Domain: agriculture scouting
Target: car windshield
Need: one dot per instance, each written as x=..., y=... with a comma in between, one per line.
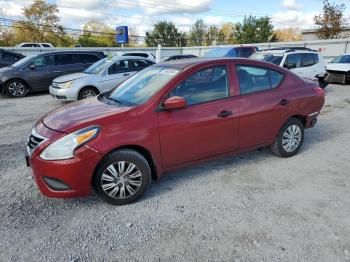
x=218, y=52
x=97, y=67
x=23, y=61
x=142, y=86
x=268, y=57
x=342, y=59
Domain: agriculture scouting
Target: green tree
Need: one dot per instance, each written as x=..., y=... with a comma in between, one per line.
x=166, y=34
x=254, y=30
x=331, y=21
x=198, y=32
x=212, y=35
x=97, y=34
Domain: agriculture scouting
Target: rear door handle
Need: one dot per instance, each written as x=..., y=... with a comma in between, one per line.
x=284, y=102
x=126, y=74
x=225, y=113
x=56, y=71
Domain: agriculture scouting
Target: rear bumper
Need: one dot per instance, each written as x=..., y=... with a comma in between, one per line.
x=311, y=119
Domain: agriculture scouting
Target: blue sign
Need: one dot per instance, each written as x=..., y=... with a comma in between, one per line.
x=122, y=34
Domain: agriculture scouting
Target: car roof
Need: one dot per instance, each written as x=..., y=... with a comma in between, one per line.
x=281, y=51
x=190, y=62
x=70, y=52
x=117, y=58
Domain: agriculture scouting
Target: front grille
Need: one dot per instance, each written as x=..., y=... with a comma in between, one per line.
x=336, y=77
x=34, y=140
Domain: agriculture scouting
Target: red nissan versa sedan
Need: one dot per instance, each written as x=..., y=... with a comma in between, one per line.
x=167, y=116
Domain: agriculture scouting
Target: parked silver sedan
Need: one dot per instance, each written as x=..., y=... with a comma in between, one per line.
x=100, y=77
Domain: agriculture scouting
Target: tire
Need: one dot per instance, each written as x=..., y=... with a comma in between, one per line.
x=114, y=184
x=87, y=92
x=16, y=88
x=288, y=142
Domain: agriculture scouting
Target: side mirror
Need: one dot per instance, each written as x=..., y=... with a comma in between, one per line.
x=174, y=102
x=31, y=66
x=290, y=65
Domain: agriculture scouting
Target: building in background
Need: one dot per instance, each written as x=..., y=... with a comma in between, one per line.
x=310, y=34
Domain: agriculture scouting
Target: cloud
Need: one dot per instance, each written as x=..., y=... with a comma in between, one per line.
x=213, y=20
x=293, y=18
x=175, y=6
x=291, y=5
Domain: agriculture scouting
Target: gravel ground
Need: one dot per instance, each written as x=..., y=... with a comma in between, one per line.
x=252, y=207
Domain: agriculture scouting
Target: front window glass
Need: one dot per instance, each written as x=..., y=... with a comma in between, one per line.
x=204, y=86
x=293, y=61
x=23, y=61
x=118, y=67
x=142, y=86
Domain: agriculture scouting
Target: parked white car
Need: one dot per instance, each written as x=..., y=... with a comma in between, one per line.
x=304, y=62
x=147, y=55
x=338, y=70
x=40, y=45
x=99, y=78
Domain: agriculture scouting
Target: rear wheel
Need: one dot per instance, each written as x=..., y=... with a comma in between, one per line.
x=122, y=177
x=87, y=92
x=16, y=88
x=289, y=139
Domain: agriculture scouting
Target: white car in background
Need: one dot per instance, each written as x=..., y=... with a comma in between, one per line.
x=99, y=78
x=40, y=45
x=147, y=55
x=338, y=70
x=304, y=62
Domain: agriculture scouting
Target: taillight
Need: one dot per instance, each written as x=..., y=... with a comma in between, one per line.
x=318, y=90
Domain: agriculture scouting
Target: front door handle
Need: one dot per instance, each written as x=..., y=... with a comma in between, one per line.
x=225, y=113
x=56, y=71
x=284, y=102
x=126, y=74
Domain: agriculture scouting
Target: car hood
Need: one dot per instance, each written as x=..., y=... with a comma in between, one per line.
x=70, y=77
x=80, y=114
x=6, y=69
x=338, y=67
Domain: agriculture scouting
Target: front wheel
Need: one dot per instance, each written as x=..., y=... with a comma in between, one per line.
x=289, y=139
x=16, y=88
x=122, y=177
x=87, y=92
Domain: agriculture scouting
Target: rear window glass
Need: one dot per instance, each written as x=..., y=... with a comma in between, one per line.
x=254, y=79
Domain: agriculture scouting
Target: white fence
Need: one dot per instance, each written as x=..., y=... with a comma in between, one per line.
x=328, y=48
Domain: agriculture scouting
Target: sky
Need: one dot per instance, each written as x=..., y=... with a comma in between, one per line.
x=141, y=15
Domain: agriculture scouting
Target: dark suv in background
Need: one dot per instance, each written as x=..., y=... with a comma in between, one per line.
x=36, y=72
x=8, y=58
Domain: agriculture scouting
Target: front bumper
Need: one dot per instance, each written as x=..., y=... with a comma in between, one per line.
x=67, y=94
x=64, y=178
x=339, y=77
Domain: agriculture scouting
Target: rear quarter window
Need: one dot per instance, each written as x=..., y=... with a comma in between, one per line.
x=275, y=78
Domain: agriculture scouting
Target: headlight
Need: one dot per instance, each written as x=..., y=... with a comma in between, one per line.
x=66, y=84
x=65, y=147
